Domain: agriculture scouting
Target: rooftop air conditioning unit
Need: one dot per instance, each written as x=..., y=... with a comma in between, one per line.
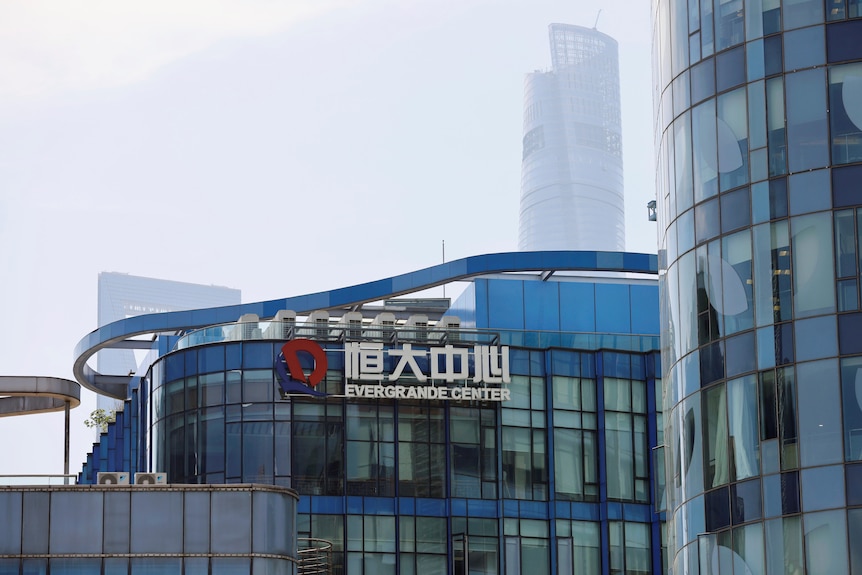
x=419, y=327
x=112, y=478
x=386, y=321
x=151, y=478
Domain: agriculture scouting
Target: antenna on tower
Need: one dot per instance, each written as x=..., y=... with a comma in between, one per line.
x=597, y=19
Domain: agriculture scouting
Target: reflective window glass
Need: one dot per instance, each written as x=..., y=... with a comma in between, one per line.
x=798, y=13
x=816, y=338
x=754, y=60
x=851, y=384
x=845, y=113
x=756, y=115
x=784, y=545
x=705, y=151
x=743, y=427
x=813, y=264
x=772, y=55
x=819, y=430
x=807, y=135
x=776, y=126
x=810, y=192
x=804, y=48
x=736, y=281
x=825, y=542
x=815, y=496
x=702, y=80
x=732, y=134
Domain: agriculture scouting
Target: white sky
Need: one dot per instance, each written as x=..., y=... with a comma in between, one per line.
x=275, y=147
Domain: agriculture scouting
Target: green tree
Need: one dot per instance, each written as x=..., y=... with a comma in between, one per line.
x=99, y=418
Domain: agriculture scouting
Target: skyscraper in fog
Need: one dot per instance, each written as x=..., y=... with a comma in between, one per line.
x=123, y=295
x=572, y=163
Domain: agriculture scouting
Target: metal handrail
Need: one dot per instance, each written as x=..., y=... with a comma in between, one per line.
x=316, y=559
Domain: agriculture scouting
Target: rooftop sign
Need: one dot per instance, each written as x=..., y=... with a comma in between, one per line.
x=373, y=371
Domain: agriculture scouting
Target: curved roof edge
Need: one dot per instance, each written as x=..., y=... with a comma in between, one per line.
x=116, y=333
x=23, y=395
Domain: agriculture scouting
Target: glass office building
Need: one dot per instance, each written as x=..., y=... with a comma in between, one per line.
x=545, y=466
x=759, y=144
x=572, y=161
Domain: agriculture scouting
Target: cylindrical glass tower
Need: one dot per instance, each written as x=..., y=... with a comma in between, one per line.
x=759, y=185
x=572, y=166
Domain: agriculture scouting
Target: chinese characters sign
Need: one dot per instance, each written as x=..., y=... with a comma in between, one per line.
x=374, y=371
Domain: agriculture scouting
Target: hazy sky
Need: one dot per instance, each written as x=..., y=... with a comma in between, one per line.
x=275, y=147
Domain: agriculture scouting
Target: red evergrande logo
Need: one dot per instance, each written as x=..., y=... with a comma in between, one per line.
x=289, y=356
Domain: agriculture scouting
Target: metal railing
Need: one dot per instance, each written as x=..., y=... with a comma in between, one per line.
x=271, y=330
x=31, y=479
x=315, y=558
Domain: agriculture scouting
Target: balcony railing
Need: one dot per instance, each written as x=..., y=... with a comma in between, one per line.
x=314, y=556
x=282, y=331
x=38, y=480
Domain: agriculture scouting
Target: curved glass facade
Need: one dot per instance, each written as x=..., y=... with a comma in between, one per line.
x=759, y=143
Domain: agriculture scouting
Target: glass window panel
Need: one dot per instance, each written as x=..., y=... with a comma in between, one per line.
x=761, y=210
x=748, y=546
x=707, y=42
x=775, y=126
x=619, y=455
x=738, y=354
x=807, y=134
x=197, y=513
x=772, y=273
x=845, y=244
x=689, y=471
x=754, y=58
x=845, y=97
x=772, y=55
x=717, y=504
x=825, y=543
x=753, y=19
x=117, y=528
x=784, y=546
x=11, y=516
x=804, y=48
x=229, y=565
x=847, y=295
x=756, y=115
x=707, y=220
x=730, y=69
x=742, y=411
x=815, y=496
x=736, y=281
x=819, y=429
x=35, y=524
x=157, y=522
x=816, y=338
x=76, y=566
x=682, y=163
x=810, y=192
x=716, y=462
x=87, y=507
x=851, y=383
x=854, y=525
x=231, y=522
x=799, y=13
x=758, y=165
x=705, y=159
x=813, y=271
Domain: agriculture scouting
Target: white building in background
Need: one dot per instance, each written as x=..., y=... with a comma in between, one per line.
x=572, y=163
x=123, y=296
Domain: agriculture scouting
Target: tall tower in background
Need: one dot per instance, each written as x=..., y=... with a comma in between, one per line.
x=122, y=296
x=572, y=162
